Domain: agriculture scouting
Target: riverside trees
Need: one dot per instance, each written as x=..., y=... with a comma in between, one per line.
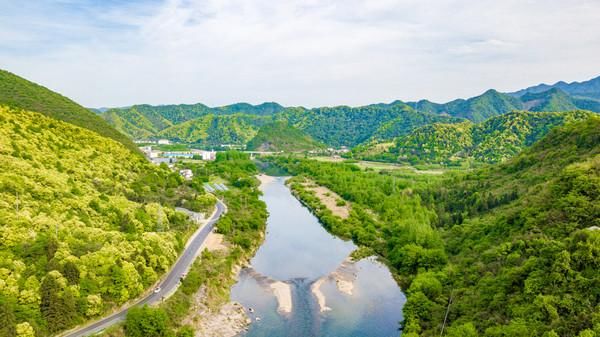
x=506, y=250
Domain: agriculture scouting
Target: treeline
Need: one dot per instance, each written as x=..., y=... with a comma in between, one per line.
x=506, y=250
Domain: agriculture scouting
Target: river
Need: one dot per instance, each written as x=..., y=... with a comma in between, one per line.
x=304, y=262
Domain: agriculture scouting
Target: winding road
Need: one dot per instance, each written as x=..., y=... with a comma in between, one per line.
x=169, y=283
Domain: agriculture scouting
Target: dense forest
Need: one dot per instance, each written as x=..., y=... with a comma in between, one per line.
x=242, y=226
x=339, y=125
x=279, y=136
x=491, y=141
x=19, y=93
x=85, y=223
x=505, y=250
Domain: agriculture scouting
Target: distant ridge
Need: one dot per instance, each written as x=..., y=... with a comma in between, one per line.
x=586, y=89
x=342, y=125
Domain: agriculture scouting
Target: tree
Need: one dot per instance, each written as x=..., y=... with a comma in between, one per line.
x=7, y=319
x=58, y=306
x=147, y=322
x=71, y=272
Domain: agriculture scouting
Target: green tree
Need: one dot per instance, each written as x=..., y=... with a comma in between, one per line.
x=147, y=322
x=71, y=272
x=58, y=306
x=7, y=318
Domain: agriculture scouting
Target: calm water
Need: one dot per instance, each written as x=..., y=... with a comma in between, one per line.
x=298, y=251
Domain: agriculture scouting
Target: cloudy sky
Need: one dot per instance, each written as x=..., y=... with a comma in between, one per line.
x=305, y=52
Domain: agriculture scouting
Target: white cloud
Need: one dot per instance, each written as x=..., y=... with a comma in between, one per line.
x=299, y=52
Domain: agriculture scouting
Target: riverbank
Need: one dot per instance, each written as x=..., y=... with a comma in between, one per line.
x=264, y=180
x=229, y=321
x=303, y=282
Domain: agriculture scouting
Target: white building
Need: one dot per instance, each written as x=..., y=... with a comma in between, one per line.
x=163, y=142
x=206, y=155
x=187, y=174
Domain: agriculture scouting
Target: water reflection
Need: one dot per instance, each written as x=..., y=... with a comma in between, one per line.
x=298, y=251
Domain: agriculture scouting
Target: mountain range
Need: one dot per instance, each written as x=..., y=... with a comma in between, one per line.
x=340, y=125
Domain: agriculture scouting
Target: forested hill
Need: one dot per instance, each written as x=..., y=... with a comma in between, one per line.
x=279, y=136
x=494, y=140
x=20, y=93
x=238, y=123
x=340, y=125
x=523, y=244
x=493, y=103
x=84, y=224
x=511, y=249
x=147, y=121
x=587, y=89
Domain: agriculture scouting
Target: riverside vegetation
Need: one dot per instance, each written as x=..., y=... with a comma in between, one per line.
x=506, y=250
x=85, y=224
x=242, y=226
x=510, y=249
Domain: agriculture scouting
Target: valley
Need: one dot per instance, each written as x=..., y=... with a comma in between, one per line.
x=454, y=219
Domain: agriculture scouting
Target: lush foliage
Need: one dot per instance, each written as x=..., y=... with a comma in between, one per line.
x=239, y=123
x=507, y=250
x=215, y=130
x=242, y=226
x=343, y=125
x=493, y=140
x=146, y=121
x=493, y=103
x=477, y=109
x=84, y=224
x=279, y=136
x=20, y=93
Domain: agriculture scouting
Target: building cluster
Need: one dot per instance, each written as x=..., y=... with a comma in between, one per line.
x=170, y=157
x=158, y=141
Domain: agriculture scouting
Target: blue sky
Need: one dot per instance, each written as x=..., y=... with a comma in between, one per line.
x=310, y=53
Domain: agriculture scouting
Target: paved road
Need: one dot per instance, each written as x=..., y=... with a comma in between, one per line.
x=168, y=285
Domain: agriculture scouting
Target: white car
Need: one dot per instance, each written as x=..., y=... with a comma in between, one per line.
x=157, y=290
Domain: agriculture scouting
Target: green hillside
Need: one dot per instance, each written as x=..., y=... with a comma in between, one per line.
x=84, y=224
x=263, y=109
x=477, y=109
x=279, y=136
x=494, y=140
x=522, y=252
x=20, y=93
x=348, y=126
x=188, y=122
x=551, y=100
x=339, y=125
x=215, y=130
x=507, y=250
